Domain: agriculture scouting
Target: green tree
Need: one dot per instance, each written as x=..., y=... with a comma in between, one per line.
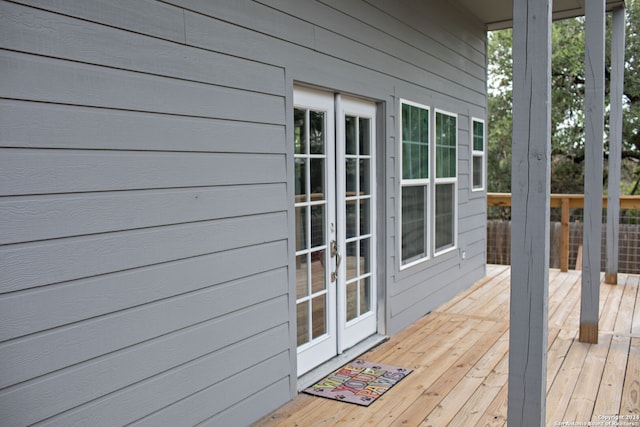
x=567, y=137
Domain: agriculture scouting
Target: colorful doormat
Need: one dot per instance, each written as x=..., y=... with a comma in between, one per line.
x=359, y=382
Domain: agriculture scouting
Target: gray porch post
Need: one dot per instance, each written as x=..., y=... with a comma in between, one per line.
x=530, y=182
x=594, y=134
x=615, y=144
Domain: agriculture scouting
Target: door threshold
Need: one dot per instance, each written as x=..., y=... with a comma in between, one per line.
x=331, y=365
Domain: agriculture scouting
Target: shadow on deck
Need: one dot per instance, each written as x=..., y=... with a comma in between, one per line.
x=460, y=356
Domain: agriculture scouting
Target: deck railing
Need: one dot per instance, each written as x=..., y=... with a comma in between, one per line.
x=565, y=231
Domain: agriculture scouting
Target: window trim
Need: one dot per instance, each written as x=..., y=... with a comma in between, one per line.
x=425, y=183
x=446, y=180
x=476, y=153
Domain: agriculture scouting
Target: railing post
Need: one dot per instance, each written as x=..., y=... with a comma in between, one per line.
x=564, y=245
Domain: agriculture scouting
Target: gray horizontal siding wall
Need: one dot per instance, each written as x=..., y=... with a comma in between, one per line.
x=145, y=197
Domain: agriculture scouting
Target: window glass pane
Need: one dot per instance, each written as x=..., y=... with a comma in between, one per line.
x=302, y=279
x=406, y=122
x=352, y=255
x=352, y=219
x=365, y=295
x=365, y=256
x=350, y=124
x=316, y=132
x=477, y=171
x=365, y=216
x=352, y=300
x=424, y=125
x=317, y=179
x=415, y=142
x=365, y=176
x=413, y=223
x=319, y=316
x=446, y=157
x=317, y=226
x=478, y=136
x=302, y=317
x=318, y=274
x=300, y=135
x=301, y=228
x=365, y=137
x=352, y=176
x=301, y=177
x=416, y=131
x=445, y=213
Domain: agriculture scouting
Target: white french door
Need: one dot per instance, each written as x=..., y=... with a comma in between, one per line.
x=334, y=154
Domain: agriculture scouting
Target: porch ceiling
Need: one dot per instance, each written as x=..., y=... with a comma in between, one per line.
x=497, y=14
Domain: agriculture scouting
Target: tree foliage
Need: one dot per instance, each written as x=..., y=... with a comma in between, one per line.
x=567, y=114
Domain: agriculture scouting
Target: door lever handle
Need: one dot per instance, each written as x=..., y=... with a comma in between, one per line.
x=335, y=252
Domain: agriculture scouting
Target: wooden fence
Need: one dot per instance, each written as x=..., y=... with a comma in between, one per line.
x=566, y=234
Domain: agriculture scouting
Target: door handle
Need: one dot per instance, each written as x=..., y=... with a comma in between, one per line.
x=335, y=252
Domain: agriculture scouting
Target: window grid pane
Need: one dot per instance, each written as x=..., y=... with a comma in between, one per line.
x=414, y=223
x=478, y=135
x=478, y=171
x=445, y=213
x=415, y=142
x=446, y=156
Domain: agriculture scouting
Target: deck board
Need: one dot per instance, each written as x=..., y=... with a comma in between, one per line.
x=459, y=354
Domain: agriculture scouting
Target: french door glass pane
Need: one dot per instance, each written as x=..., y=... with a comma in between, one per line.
x=352, y=176
x=365, y=295
x=300, y=135
x=317, y=179
x=352, y=219
x=365, y=136
x=317, y=226
x=301, y=228
x=445, y=210
x=302, y=276
x=350, y=134
x=352, y=300
x=352, y=260
x=365, y=176
x=302, y=310
x=413, y=223
x=316, y=132
x=364, y=261
x=365, y=216
x=301, y=177
x=319, y=316
x=318, y=272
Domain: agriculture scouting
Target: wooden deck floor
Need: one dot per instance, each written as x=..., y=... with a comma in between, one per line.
x=460, y=356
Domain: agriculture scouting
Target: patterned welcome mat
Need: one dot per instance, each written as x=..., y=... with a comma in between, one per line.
x=359, y=382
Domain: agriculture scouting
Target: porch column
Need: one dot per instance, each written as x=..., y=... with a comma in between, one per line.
x=530, y=187
x=615, y=144
x=594, y=134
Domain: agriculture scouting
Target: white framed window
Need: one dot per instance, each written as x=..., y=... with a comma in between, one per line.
x=414, y=183
x=478, y=155
x=429, y=182
x=446, y=181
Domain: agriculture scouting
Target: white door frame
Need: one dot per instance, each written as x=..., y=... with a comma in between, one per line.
x=341, y=333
